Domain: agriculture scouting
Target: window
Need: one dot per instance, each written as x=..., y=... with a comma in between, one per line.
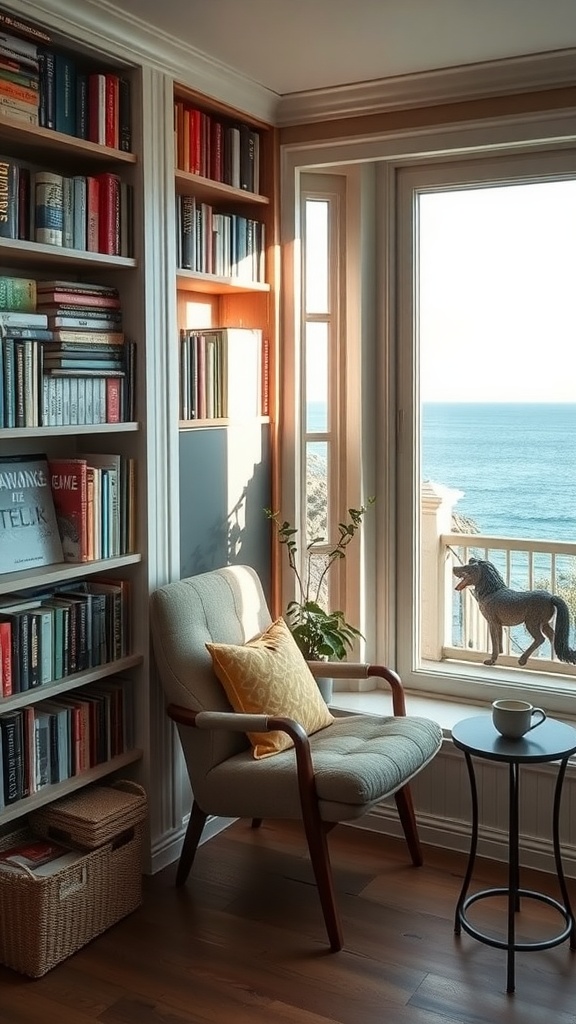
x=486, y=388
x=392, y=185
x=321, y=444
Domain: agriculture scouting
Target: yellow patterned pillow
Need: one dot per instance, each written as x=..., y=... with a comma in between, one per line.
x=269, y=676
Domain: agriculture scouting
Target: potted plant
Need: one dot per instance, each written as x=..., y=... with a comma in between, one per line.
x=320, y=634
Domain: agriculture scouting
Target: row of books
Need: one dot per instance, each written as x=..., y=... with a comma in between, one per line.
x=225, y=244
x=64, y=358
x=55, y=632
x=92, y=213
x=215, y=148
x=69, y=510
x=43, y=86
x=221, y=374
x=57, y=739
x=47, y=385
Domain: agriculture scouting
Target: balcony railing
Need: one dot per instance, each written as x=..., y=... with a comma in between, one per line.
x=453, y=626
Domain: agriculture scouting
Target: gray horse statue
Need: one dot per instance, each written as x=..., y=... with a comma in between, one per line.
x=501, y=606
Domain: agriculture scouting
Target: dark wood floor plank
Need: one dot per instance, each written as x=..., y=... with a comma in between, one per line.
x=244, y=943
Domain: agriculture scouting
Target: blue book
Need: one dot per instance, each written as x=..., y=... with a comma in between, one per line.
x=65, y=94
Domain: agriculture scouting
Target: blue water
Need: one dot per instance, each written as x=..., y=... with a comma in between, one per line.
x=515, y=463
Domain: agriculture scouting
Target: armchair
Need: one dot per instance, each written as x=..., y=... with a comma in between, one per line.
x=334, y=775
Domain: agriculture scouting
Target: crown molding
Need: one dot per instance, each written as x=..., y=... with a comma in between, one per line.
x=102, y=26
x=530, y=73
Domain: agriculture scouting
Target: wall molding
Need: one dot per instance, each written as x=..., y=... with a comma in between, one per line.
x=531, y=73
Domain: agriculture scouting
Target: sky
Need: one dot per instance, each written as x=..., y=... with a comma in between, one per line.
x=498, y=294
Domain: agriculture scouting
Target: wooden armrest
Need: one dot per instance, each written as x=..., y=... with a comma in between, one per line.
x=259, y=723
x=362, y=670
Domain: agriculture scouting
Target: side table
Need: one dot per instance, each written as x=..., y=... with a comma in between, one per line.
x=551, y=741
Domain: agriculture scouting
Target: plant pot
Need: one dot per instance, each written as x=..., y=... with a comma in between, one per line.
x=326, y=687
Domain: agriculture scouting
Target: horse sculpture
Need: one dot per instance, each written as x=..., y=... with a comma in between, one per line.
x=501, y=606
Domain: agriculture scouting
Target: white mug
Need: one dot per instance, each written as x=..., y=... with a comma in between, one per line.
x=513, y=718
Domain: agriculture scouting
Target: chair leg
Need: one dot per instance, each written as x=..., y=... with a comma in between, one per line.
x=191, y=840
x=403, y=798
x=316, y=834
x=256, y=822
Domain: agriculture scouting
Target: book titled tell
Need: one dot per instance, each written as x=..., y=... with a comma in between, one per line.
x=29, y=534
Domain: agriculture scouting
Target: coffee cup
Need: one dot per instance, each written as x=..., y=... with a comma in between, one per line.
x=513, y=718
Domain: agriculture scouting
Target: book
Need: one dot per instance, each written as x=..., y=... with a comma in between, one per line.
x=29, y=533
x=17, y=294
x=5, y=658
x=12, y=756
x=65, y=93
x=12, y=24
x=68, y=482
x=48, y=207
x=40, y=857
x=11, y=318
x=46, y=70
x=9, y=176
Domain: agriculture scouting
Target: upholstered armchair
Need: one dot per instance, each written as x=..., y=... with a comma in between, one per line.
x=258, y=740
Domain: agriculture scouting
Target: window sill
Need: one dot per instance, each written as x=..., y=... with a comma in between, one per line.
x=442, y=710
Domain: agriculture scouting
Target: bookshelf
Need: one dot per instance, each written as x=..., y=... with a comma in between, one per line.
x=121, y=663
x=234, y=286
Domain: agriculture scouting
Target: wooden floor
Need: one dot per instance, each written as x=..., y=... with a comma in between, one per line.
x=244, y=943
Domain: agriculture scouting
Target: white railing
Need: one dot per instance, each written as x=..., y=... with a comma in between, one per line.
x=524, y=565
x=453, y=626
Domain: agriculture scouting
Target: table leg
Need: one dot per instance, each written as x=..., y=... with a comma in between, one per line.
x=558, y=855
x=513, y=870
x=473, y=843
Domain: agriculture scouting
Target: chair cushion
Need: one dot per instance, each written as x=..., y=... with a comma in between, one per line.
x=359, y=761
x=269, y=676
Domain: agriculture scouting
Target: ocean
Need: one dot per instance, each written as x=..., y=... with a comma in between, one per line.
x=515, y=464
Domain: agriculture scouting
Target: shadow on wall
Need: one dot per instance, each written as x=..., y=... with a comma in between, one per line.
x=224, y=488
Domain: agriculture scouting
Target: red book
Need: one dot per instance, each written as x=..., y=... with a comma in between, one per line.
x=113, y=399
x=216, y=152
x=50, y=301
x=111, y=121
x=195, y=141
x=69, y=490
x=92, y=214
x=6, y=659
x=109, y=214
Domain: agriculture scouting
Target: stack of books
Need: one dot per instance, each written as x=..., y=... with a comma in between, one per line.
x=19, y=73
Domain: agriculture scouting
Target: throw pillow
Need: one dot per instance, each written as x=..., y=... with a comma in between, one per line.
x=269, y=676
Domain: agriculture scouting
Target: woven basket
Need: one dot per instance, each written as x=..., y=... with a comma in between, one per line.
x=91, y=818
x=43, y=920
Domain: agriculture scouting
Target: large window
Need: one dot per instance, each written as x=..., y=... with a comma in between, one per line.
x=458, y=264
x=487, y=254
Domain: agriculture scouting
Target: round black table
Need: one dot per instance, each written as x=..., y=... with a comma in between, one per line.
x=551, y=741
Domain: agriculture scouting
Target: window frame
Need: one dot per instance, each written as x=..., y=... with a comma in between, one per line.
x=372, y=167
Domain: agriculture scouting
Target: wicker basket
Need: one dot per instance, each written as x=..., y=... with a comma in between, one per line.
x=43, y=920
x=91, y=818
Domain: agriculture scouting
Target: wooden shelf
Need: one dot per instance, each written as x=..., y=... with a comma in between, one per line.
x=37, y=143
x=221, y=421
x=209, y=190
x=45, y=575
x=67, y=430
x=192, y=281
x=49, y=793
x=24, y=253
x=72, y=682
